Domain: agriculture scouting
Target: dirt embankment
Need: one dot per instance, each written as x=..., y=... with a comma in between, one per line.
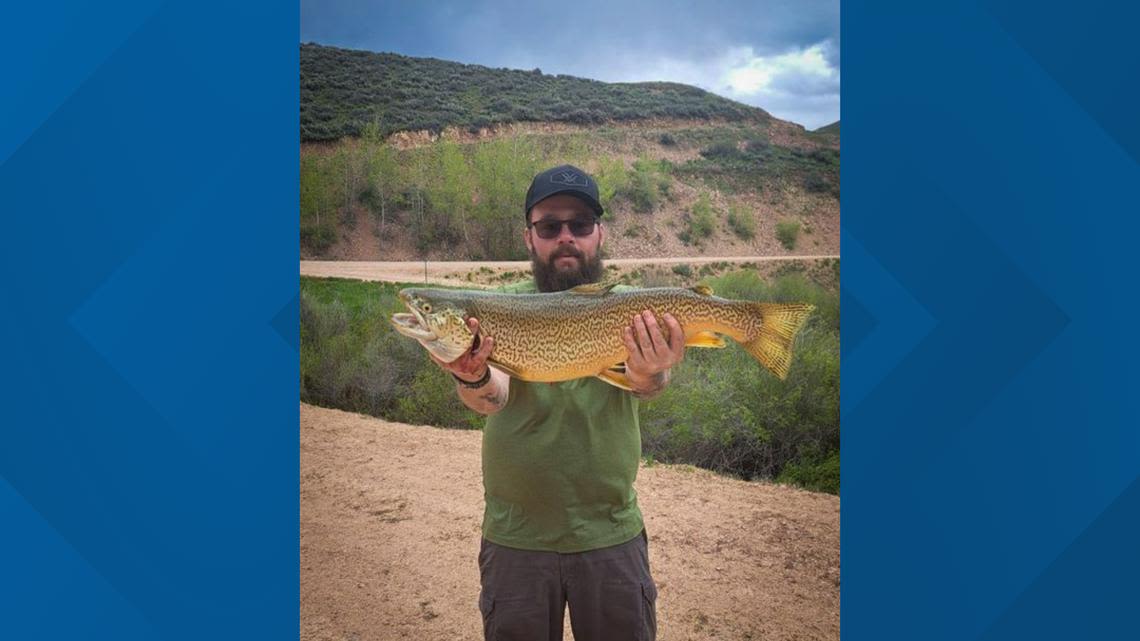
x=389, y=534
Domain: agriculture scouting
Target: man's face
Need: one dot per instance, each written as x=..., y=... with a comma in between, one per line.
x=564, y=260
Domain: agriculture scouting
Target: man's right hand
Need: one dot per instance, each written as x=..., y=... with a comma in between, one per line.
x=472, y=365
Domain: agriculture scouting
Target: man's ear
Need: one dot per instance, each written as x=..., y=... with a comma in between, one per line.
x=528, y=240
x=601, y=234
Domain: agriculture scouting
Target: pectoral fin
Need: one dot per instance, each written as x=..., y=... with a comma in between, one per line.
x=593, y=289
x=703, y=290
x=616, y=376
x=705, y=339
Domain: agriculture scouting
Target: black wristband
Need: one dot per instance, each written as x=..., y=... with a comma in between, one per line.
x=475, y=384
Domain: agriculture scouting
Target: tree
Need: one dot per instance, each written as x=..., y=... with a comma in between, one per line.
x=380, y=173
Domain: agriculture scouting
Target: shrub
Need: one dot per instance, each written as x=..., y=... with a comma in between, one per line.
x=318, y=239
x=351, y=359
x=786, y=233
x=741, y=222
x=667, y=140
x=822, y=476
x=815, y=184
x=721, y=150
x=683, y=270
x=702, y=220
x=646, y=183
x=722, y=411
x=642, y=191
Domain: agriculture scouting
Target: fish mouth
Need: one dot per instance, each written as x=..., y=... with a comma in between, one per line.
x=413, y=324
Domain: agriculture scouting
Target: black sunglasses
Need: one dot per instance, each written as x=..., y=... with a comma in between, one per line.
x=548, y=229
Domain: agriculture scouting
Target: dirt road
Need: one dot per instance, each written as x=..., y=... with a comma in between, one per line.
x=389, y=534
x=455, y=273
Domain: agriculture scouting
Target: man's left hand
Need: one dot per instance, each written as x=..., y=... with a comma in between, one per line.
x=651, y=356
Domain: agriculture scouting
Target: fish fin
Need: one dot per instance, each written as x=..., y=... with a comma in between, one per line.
x=703, y=290
x=705, y=339
x=593, y=289
x=780, y=322
x=616, y=378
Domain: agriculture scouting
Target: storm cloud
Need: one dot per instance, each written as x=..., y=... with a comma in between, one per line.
x=781, y=56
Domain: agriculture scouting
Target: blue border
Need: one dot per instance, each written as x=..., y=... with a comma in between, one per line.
x=148, y=455
x=991, y=454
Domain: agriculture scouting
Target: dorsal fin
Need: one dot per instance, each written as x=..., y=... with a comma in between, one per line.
x=703, y=290
x=593, y=289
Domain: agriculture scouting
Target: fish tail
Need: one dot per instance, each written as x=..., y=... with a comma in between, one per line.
x=780, y=322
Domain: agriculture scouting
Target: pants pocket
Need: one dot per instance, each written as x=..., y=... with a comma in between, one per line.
x=649, y=611
x=627, y=612
x=487, y=609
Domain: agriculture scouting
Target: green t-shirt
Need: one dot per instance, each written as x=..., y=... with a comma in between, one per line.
x=559, y=462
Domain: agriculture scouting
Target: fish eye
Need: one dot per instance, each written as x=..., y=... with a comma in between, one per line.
x=427, y=308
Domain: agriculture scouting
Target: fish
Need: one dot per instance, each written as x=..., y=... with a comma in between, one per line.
x=576, y=333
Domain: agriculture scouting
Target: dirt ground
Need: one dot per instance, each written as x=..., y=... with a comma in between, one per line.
x=390, y=524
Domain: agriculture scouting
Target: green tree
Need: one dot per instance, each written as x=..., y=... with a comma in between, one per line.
x=452, y=190
x=503, y=169
x=381, y=173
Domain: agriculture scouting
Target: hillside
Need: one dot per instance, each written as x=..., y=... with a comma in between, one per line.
x=441, y=173
x=343, y=90
x=832, y=129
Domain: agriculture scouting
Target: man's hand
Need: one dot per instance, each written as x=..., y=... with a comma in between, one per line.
x=485, y=399
x=651, y=356
x=473, y=364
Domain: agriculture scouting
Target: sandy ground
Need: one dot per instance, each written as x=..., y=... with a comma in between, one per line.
x=389, y=534
x=455, y=272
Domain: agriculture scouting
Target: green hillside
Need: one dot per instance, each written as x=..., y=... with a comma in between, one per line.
x=342, y=90
x=679, y=169
x=833, y=128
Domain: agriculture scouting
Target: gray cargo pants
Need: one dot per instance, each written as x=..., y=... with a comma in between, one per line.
x=611, y=595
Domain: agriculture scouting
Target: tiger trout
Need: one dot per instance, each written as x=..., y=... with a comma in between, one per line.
x=578, y=332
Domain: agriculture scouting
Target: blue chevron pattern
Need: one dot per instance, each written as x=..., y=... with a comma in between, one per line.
x=989, y=472
x=148, y=460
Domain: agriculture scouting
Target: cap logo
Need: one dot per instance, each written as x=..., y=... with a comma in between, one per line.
x=570, y=178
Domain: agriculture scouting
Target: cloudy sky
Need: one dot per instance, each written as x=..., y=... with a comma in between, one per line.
x=780, y=55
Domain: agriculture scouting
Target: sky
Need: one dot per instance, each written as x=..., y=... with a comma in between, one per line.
x=779, y=55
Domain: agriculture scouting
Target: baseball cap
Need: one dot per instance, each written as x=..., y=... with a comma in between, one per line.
x=563, y=179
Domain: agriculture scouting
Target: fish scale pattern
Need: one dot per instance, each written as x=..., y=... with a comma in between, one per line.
x=548, y=337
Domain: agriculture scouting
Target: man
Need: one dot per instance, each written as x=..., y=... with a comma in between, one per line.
x=561, y=524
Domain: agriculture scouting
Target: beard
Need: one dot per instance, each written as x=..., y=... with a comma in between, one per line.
x=548, y=278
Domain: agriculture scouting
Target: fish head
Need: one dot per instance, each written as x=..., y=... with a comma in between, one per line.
x=437, y=322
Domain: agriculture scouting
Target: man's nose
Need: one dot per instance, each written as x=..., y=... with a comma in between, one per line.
x=564, y=234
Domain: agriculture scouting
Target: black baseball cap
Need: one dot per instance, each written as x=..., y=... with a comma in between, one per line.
x=563, y=179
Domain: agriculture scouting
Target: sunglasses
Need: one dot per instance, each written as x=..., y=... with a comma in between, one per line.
x=548, y=229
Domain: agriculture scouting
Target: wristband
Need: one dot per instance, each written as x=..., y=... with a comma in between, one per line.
x=474, y=384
